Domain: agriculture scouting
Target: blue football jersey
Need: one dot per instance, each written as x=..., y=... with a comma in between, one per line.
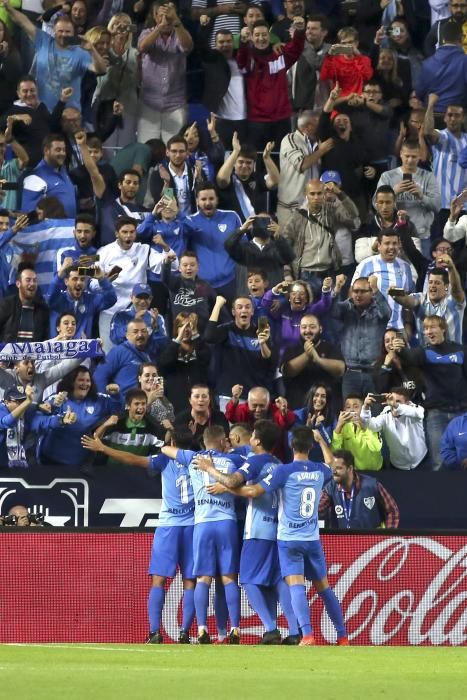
x=178, y=505
x=299, y=485
x=209, y=508
x=261, y=513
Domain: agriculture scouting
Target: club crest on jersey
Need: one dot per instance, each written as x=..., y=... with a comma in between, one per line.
x=222, y=227
x=369, y=502
x=339, y=511
x=90, y=409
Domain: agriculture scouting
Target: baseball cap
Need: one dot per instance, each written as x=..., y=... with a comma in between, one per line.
x=141, y=289
x=331, y=176
x=14, y=394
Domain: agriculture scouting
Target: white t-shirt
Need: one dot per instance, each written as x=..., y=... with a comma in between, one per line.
x=233, y=105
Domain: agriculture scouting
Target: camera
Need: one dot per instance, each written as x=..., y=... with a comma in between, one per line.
x=86, y=271
x=33, y=519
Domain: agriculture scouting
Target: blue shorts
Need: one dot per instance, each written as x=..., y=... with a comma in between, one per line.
x=172, y=546
x=215, y=548
x=302, y=557
x=259, y=563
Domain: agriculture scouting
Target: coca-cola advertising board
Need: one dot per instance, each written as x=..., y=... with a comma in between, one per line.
x=92, y=586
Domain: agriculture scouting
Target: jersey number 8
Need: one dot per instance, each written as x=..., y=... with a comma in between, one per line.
x=307, y=502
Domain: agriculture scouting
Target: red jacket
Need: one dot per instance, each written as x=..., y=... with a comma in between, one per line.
x=267, y=92
x=349, y=73
x=240, y=413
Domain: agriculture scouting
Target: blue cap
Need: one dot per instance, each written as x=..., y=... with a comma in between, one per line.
x=331, y=176
x=141, y=289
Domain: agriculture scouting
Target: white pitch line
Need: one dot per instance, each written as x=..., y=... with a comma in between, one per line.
x=91, y=648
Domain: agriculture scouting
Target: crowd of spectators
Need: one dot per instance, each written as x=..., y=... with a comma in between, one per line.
x=269, y=210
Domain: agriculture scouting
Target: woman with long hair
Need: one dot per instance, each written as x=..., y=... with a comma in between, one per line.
x=99, y=37
x=159, y=407
x=295, y=300
x=209, y=156
x=318, y=413
x=184, y=361
x=391, y=373
x=77, y=392
x=395, y=93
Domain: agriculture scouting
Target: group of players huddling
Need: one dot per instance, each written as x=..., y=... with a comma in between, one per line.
x=198, y=532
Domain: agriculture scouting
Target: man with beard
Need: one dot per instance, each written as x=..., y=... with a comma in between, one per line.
x=242, y=187
x=83, y=302
x=175, y=173
x=122, y=363
x=57, y=64
x=457, y=15
x=208, y=230
x=308, y=92
x=344, y=501
x=140, y=309
x=244, y=351
x=50, y=178
x=126, y=204
x=24, y=316
x=310, y=361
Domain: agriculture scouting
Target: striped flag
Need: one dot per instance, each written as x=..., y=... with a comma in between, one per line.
x=42, y=244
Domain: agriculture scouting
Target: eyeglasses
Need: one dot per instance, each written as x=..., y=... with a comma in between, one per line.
x=443, y=250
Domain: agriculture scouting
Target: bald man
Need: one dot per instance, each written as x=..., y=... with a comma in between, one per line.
x=311, y=232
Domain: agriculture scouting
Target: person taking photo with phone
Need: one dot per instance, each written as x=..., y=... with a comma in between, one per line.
x=264, y=246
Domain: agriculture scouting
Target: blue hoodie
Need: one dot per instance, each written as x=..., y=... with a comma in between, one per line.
x=207, y=236
x=121, y=367
x=63, y=446
x=444, y=73
x=85, y=308
x=173, y=232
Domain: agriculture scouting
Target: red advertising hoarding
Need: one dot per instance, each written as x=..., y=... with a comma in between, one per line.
x=92, y=587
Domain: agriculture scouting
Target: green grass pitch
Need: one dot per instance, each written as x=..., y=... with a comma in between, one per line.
x=88, y=672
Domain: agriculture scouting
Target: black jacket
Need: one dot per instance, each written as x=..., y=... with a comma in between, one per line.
x=10, y=316
x=271, y=259
x=217, y=73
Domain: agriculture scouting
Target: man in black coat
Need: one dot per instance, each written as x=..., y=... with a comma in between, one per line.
x=24, y=316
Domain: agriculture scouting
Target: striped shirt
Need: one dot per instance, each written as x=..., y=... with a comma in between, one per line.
x=389, y=274
x=294, y=148
x=448, y=308
x=232, y=23
x=450, y=176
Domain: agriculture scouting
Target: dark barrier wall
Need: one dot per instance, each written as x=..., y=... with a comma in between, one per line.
x=128, y=497
x=62, y=586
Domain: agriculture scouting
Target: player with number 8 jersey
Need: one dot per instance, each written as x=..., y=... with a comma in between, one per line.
x=301, y=555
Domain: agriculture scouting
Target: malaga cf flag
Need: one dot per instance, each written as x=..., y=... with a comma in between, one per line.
x=42, y=244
